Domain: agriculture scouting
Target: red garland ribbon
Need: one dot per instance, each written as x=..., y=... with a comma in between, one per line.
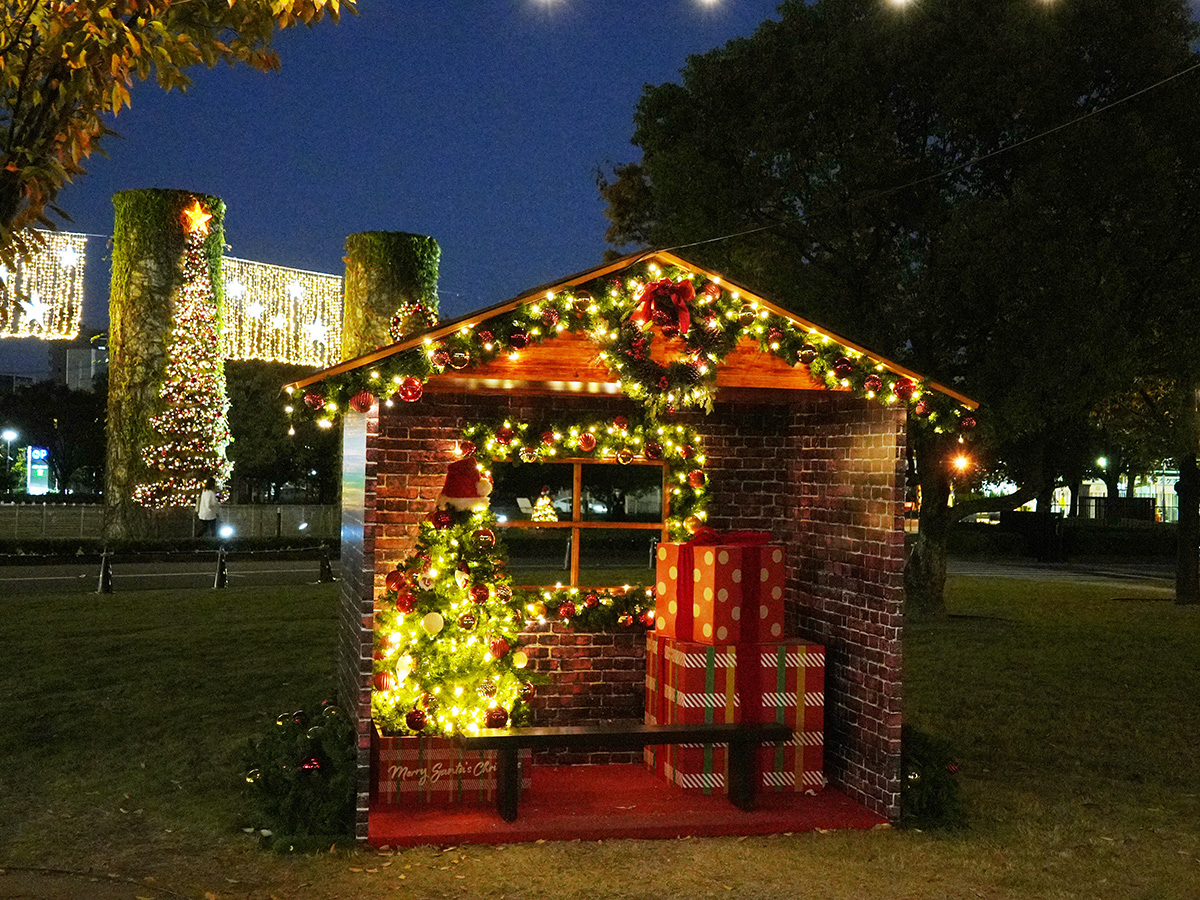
x=668, y=297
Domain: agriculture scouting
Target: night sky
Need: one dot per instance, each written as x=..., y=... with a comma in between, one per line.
x=481, y=124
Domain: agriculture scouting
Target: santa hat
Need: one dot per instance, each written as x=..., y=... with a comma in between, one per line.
x=466, y=487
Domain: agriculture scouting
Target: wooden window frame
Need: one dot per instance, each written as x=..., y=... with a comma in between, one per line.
x=577, y=525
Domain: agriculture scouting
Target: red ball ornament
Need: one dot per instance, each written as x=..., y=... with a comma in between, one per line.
x=415, y=719
x=314, y=401
x=406, y=602
x=873, y=383
x=653, y=451
x=843, y=367
x=712, y=290
x=362, y=401
x=526, y=691
x=774, y=335
x=486, y=336
x=480, y=593
x=505, y=435
x=460, y=359
x=467, y=621
x=591, y=601
x=566, y=609
x=696, y=479
x=518, y=339
x=385, y=681
x=411, y=389
x=395, y=580
x=807, y=354
x=692, y=524
x=746, y=316
x=495, y=717
x=548, y=438
x=904, y=388
x=621, y=423
x=686, y=451
x=587, y=442
x=647, y=618
x=922, y=409
x=441, y=519
x=486, y=538
x=499, y=648
x=528, y=454
x=466, y=448
x=966, y=423
x=625, y=620
x=440, y=358
x=550, y=317
x=503, y=592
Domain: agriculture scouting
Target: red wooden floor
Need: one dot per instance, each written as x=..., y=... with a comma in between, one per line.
x=614, y=801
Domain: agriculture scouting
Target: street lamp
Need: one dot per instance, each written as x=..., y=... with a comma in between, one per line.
x=9, y=436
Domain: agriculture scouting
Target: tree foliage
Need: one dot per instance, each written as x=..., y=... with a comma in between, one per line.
x=70, y=424
x=1001, y=194
x=65, y=66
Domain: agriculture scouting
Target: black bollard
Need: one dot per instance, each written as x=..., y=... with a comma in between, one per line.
x=105, y=586
x=222, y=573
x=326, y=567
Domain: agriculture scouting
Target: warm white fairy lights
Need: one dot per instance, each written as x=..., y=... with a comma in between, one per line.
x=42, y=297
x=281, y=315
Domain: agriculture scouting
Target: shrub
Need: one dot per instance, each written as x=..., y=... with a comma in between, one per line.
x=302, y=774
x=929, y=794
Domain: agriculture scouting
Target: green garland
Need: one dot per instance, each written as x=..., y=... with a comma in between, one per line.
x=604, y=310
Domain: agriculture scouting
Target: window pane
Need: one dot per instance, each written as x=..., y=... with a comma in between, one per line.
x=538, y=557
x=622, y=493
x=517, y=487
x=611, y=557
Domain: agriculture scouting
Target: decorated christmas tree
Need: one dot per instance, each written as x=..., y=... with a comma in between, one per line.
x=191, y=428
x=543, y=509
x=446, y=655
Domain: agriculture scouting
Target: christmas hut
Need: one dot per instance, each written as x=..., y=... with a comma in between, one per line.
x=521, y=482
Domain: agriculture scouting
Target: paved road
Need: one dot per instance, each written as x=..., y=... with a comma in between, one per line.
x=1155, y=573
x=135, y=576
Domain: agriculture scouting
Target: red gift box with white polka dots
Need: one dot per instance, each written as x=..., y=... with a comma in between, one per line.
x=720, y=593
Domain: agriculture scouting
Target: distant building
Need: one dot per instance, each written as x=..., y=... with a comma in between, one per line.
x=11, y=381
x=76, y=363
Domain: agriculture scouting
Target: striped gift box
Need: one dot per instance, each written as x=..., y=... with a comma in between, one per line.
x=790, y=687
x=421, y=769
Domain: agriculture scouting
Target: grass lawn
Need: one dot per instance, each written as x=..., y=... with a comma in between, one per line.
x=1074, y=708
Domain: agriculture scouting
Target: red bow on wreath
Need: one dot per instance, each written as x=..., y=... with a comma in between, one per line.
x=668, y=297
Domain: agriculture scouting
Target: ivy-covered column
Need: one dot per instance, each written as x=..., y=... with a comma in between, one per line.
x=390, y=288
x=167, y=409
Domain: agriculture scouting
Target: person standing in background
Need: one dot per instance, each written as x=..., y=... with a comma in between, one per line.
x=206, y=509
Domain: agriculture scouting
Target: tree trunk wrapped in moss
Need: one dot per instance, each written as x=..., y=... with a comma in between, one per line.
x=167, y=421
x=390, y=288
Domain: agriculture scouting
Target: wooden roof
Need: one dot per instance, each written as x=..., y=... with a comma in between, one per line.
x=570, y=362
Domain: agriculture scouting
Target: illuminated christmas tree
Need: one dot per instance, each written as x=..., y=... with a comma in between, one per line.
x=446, y=656
x=543, y=508
x=190, y=430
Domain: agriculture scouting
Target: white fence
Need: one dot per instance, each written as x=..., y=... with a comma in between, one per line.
x=36, y=521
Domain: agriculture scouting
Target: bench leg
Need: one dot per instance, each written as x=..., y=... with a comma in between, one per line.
x=508, y=783
x=743, y=773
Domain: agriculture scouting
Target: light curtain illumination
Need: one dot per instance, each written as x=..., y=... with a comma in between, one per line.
x=43, y=296
x=281, y=315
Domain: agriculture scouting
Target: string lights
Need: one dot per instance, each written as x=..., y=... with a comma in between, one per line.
x=278, y=314
x=43, y=296
x=191, y=429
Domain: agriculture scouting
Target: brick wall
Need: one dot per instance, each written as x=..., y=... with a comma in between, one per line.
x=824, y=474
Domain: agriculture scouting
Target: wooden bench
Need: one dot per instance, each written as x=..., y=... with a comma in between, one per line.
x=742, y=739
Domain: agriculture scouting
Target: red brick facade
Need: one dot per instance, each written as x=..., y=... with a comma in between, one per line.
x=822, y=472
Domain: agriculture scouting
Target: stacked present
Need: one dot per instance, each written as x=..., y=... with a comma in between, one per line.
x=718, y=654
